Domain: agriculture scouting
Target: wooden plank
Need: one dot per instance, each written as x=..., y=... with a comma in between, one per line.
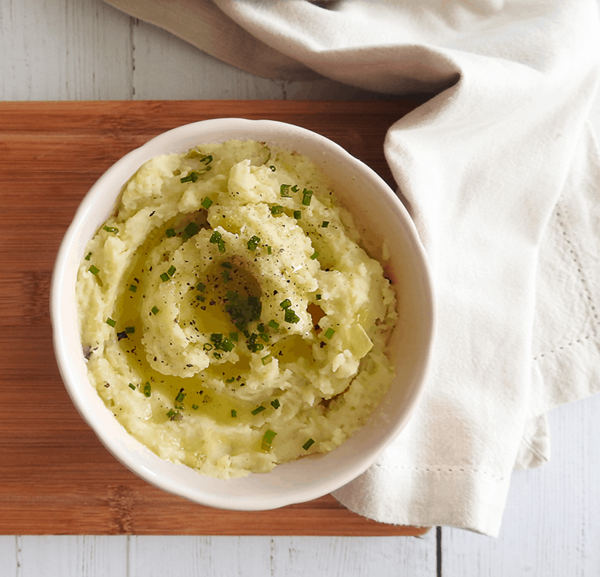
x=552, y=518
x=55, y=476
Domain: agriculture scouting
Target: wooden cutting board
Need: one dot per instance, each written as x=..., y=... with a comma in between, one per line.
x=55, y=476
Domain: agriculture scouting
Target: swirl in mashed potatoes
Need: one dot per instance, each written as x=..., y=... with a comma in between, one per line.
x=230, y=319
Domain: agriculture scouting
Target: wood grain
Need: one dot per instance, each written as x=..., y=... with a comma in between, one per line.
x=55, y=476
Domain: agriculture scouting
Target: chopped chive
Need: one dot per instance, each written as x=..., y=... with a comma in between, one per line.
x=191, y=229
x=297, y=214
x=111, y=229
x=258, y=410
x=132, y=386
x=269, y=251
x=267, y=440
x=227, y=345
x=273, y=324
x=295, y=188
x=191, y=177
x=260, y=328
x=164, y=277
x=171, y=414
x=207, y=347
x=206, y=203
x=285, y=304
x=200, y=298
x=216, y=337
x=206, y=160
x=314, y=255
x=308, y=444
x=230, y=380
x=226, y=264
x=94, y=270
x=264, y=336
x=318, y=297
x=147, y=389
x=276, y=209
x=171, y=270
x=267, y=360
x=88, y=256
x=275, y=404
x=130, y=330
x=285, y=190
x=221, y=246
x=216, y=237
x=306, y=197
x=253, y=243
x=273, y=169
x=111, y=322
x=325, y=224
x=154, y=310
x=233, y=336
x=233, y=413
x=217, y=356
x=195, y=407
x=179, y=398
x=170, y=232
x=226, y=277
x=132, y=288
x=329, y=333
x=201, y=286
x=291, y=317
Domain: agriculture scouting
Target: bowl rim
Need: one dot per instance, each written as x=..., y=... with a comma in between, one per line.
x=130, y=162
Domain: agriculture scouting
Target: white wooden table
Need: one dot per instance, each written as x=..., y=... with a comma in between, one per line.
x=85, y=50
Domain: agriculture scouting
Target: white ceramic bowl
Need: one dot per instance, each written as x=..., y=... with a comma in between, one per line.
x=377, y=210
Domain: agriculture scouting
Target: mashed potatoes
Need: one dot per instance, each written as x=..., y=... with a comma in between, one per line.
x=230, y=319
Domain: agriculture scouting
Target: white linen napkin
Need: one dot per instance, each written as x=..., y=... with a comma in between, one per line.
x=502, y=179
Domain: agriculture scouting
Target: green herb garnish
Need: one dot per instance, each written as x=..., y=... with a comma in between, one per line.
x=297, y=214
x=285, y=304
x=273, y=324
x=277, y=209
x=130, y=330
x=164, y=277
x=233, y=413
x=258, y=410
x=325, y=224
x=306, y=197
x=329, y=333
x=88, y=256
x=132, y=386
x=267, y=440
x=191, y=229
x=206, y=203
x=191, y=177
x=111, y=229
x=147, y=390
x=132, y=288
x=285, y=190
x=111, y=322
x=314, y=255
x=179, y=398
x=253, y=243
x=170, y=232
x=94, y=270
x=154, y=310
x=308, y=444
x=275, y=404
x=291, y=317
